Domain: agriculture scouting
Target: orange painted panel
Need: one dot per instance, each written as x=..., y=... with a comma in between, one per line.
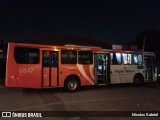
x=45, y=77
x=54, y=76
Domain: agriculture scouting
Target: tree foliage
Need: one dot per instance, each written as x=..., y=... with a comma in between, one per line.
x=150, y=39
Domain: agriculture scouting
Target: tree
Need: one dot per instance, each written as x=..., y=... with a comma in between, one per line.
x=3, y=46
x=150, y=40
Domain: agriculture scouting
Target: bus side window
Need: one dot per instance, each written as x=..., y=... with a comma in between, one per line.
x=26, y=55
x=116, y=58
x=137, y=59
x=85, y=57
x=69, y=57
x=127, y=58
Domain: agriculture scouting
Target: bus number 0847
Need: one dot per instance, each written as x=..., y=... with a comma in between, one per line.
x=26, y=70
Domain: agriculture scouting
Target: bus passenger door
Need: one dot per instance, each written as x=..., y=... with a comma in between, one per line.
x=102, y=68
x=149, y=67
x=49, y=68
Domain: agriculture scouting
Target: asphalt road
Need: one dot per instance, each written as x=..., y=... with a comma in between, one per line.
x=91, y=98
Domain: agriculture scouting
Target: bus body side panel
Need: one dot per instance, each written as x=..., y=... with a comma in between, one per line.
x=46, y=77
x=54, y=77
x=129, y=71
x=11, y=67
x=29, y=76
x=21, y=75
x=115, y=73
x=84, y=72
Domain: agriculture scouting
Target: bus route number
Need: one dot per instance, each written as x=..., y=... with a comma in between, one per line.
x=26, y=70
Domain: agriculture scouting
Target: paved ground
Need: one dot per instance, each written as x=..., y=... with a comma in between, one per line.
x=91, y=98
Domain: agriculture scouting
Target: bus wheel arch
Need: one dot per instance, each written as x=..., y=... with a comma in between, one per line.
x=72, y=83
x=138, y=79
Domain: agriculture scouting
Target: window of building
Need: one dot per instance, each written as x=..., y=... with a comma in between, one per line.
x=26, y=55
x=85, y=57
x=127, y=59
x=69, y=57
x=116, y=58
x=137, y=59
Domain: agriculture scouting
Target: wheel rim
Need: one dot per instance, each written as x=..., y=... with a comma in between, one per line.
x=72, y=85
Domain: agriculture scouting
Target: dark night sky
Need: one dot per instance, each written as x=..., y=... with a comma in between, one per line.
x=111, y=21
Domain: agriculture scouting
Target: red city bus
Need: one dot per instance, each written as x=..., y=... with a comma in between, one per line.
x=41, y=66
x=72, y=66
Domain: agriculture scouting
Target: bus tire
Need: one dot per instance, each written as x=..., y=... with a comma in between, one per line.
x=71, y=84
x=138, y=80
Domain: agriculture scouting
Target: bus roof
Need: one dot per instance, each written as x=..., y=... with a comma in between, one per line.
x=69, y=46
x=80, y=47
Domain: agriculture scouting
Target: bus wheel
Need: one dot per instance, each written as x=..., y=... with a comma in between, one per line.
x=71, y=84
x=138, y=80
